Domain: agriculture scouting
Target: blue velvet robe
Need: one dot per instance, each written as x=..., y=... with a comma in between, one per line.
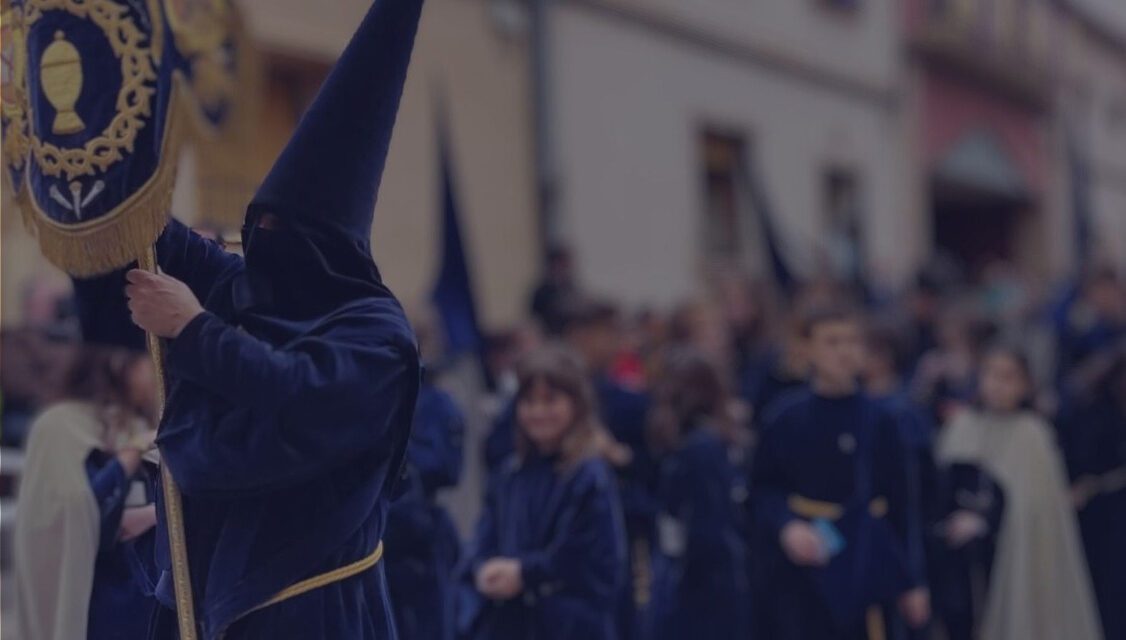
x=624, y=412
x=422, y=542
x=565, y=527
x=808, y=448
x=1093, y=438
x=700, y=587
x=285, y=435
x=956, y=573
x=121, y=600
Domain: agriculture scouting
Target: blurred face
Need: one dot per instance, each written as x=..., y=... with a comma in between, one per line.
x=140, y=390
x=1108, y=300
x=545, y=414
x=836, y=351
x=598, y=343
x=1003, y=384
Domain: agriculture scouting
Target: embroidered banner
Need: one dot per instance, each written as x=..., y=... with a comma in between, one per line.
x=98, y=97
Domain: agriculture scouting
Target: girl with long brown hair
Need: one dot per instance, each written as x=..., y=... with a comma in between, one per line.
x=700, y=585
x=548, y=558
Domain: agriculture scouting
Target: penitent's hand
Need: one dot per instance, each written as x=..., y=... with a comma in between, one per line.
x=160, y=304
x=803, y=545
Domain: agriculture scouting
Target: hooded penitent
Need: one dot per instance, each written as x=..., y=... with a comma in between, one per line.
x=291, y=397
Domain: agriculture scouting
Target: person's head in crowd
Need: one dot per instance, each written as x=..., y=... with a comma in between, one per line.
x=925, y=299
x=555, y=410
x=1106, y=295
x=1005, y=384
x=560, y=265
x=744, y=304
x=119, y=381
x=883, y=356
x=961, y=331
x=503, y=350
x=834, y=339
x=701, y=324
x=591, y=328
x=690, y=394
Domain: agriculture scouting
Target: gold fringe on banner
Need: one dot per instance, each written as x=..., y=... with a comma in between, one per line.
x=121, y=236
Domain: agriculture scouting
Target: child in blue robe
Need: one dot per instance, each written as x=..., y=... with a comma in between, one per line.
x=1093, y=437
x=548, y=558
x=829, y=490
x=421, y=538
x=700, y=588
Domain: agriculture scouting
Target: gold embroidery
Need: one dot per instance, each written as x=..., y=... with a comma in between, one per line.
x=133, y=100
x=13, y=96
x=60, y=72
x=105, y=243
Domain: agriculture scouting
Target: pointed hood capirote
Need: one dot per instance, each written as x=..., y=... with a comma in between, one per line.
x=329, y=172
x=315, y=255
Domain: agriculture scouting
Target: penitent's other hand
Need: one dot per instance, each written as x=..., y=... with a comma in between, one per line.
x=500, y=578
x=160, y=304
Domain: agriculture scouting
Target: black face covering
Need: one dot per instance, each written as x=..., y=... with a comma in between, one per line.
x=294, y=276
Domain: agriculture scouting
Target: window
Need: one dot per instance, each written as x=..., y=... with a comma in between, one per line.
x=722, y=155
x=843, y=246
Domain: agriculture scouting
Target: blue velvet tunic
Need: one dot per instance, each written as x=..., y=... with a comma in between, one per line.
x=809, y=448
x=565, y=528
x=700, y=587
x=421, y=541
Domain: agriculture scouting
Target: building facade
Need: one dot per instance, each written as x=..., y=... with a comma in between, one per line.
x=664, y=110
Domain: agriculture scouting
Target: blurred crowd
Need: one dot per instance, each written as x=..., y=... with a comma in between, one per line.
x=808, y=460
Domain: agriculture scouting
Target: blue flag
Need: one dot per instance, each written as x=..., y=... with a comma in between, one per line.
x=1080, y=175
x=453, y=290
x=780, y=271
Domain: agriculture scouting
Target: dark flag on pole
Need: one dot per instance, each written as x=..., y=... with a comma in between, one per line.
x=1080, y=175
x=760, y=204
x=453, y=290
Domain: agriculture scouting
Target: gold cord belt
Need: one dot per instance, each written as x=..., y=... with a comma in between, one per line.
x=819, y=509
x=324, y=579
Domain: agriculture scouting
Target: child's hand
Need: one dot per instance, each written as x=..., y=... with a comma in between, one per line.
x=803, y=545
x=915, y=606
x=135, y=521
x=964, y=526
x=500, y=579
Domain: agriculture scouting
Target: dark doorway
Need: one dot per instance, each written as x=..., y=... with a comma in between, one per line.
x=974, y=227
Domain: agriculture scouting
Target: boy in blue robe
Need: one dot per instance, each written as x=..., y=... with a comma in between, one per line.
x=292, y=387
x=829, y=492
x=422, y=542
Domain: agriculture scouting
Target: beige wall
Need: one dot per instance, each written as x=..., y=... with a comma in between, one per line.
x=1091, y=98
x=630, y=102
x=854, y=44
